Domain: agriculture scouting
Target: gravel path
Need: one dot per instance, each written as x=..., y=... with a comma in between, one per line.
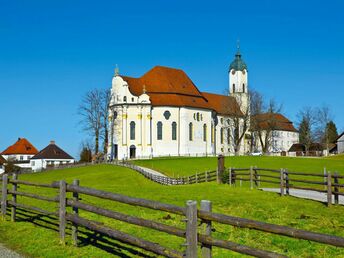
x=306, y=194
x=7, y=253
x=151, y=171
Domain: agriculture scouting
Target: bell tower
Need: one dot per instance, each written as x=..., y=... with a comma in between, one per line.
x=238, y=83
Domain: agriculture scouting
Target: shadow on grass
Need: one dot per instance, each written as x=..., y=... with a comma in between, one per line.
x=85, y=237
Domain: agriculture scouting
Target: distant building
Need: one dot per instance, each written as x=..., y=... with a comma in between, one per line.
x=20, y=153
x=50, y=156
x=340, y=143
x=299, y=149
x=282, y=133
x=2, y=164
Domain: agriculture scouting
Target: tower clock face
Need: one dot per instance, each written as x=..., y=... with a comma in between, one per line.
x=233, y=71
x=243, y=71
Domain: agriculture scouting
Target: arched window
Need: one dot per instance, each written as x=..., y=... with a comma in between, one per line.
x=125, y=99
x=205, y=132
x=212, y=133
x=132, y=130
x=159, y=131
x=243, y=87
x=228, y=136
x=190, y=132
x=174, y=131
x=233, y=87
x=221, y=135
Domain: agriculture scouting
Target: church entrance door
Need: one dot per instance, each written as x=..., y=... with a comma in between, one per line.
x=132, y=151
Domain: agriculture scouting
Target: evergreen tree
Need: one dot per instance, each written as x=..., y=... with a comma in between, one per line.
x=305, y=131
x=332, y=133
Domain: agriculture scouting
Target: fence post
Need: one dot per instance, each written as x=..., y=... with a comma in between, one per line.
x=256, y=182
x=75, y=212
x=286, y=181
x=220, y=168
x=251, y=177
x=62, y=212
x=4, y=196
x=196, y=178
x=206, y=176
x=282, y=182
x=14, y=199
x=336, y=189
x=206, y=250
x=329, y=189
x=191, y=229
x=230, y=176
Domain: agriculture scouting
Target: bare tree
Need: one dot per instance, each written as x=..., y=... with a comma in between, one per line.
x=106, y=98
x=91, y=114
x=263, y=120
x=322, y=118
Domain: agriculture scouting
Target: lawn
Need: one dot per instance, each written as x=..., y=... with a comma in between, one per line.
x=36, y=236
x=175, y=167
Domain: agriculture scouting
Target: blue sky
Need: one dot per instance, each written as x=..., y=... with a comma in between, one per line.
x=52, y=52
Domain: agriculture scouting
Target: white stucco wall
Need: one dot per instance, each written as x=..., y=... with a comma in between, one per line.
x=39, y=164
x=279, y=141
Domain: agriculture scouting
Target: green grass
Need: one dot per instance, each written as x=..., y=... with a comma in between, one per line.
x=37, y=241
x=189, y=166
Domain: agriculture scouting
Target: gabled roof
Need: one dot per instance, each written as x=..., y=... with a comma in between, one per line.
x=296, y=147
x=339, y=136
x=22, y=146
x=273, y=120
x=52, y=151
x=222, y=104
x=2, y=160
x=167, y=87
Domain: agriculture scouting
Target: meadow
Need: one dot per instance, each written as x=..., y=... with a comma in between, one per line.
x=36, y=236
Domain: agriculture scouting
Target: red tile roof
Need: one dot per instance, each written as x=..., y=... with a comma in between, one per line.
x=22, y=146
x=279, y=121
x=172, y=87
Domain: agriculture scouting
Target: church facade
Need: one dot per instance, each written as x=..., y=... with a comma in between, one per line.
x=163, y=113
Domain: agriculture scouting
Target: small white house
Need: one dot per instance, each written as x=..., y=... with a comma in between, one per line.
x=50, y=156
x=20, y=153
x=340, y=143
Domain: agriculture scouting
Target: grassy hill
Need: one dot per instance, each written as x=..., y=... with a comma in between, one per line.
x=37, y=236
x=189, y=166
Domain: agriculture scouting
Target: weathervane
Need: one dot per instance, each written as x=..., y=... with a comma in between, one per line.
x=238, y=44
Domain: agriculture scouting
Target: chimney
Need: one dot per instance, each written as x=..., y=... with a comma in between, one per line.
x=52, y=142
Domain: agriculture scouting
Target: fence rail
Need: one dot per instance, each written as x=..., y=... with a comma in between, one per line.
x=198, y=222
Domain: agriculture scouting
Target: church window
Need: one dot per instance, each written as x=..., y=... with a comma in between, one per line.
x=221, y=135
x=205, y=132
x=197, y=116
x=212, y=133
x=221, y=120
x=233, y=87
x=174, y=131
x=228, y=136
x=167, y=114
x=125, y=99
x=132, y=99
x=132, y=130
x=190, y=132
x=159, y=131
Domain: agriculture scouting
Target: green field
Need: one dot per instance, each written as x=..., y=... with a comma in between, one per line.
x=36, y=236
x=175, y=167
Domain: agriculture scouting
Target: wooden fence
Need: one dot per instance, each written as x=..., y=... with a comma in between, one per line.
x=198, y=222
x=331, y=184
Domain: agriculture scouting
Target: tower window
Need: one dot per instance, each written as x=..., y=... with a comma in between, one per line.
x=233, y=87
x=243, y=87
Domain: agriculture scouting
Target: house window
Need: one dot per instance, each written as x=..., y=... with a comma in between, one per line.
x=132, y=130
x=159, y=130
x=190, y=132
x=221, y=135
x=205, y=132
x=174, y=131
x=21, y=158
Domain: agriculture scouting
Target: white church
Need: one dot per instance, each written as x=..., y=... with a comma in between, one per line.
x=163, y=113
